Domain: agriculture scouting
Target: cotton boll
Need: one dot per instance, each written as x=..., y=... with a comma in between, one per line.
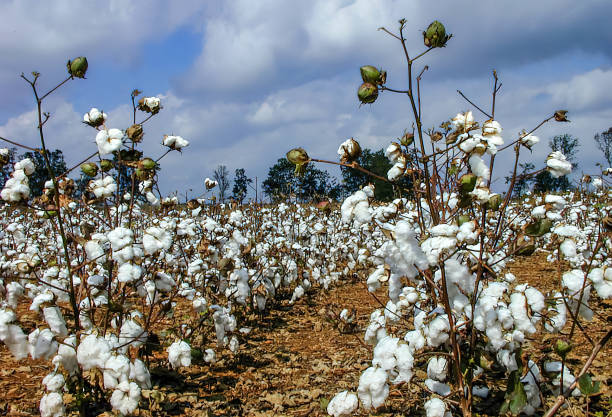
x=67, y=356
x=94, y=250
x=52, y=405
x=210, y=356
x=384, y=353
x=568, y=248
x=415, y=339
x=373, y=389
x=436, y=332
x=558, y=165
x=380, y=274
x=93, y=352
x=376, y=329
x=573, y=282
x=140, y=374
x=478, y=167
x=129, y=273
x=132, y=333
x=126, y=397
x=199, y=304
x=344, y=403
x=12, y=335
x=53, y=381
x=435, y=407
x=507, y=359
x=404, y=364
x=438, y=387
x=116, y=370
x=41, y=344
x=14, y=290
x=234, y=344
x=55, y=320
x=437, y=368
x=602, y=281
x=179, y=354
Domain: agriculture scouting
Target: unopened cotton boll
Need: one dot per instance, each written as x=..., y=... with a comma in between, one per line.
x=344, y=403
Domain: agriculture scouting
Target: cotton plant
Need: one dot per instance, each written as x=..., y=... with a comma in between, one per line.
x=442, y=253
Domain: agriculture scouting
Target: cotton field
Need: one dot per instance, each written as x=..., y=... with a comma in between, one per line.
x=105, y=281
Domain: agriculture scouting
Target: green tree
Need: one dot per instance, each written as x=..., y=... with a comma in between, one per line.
x=41, y=175
x=568, y=145
x=377, y=163
x=522, y=184
x=314, y=185
x=221, y=175
x=241, y=182
x=604, y=143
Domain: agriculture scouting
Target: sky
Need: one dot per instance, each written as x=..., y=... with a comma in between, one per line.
x=245, y=81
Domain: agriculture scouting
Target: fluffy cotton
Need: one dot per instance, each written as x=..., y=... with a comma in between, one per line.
x=344, y=403
x=373, y=388
x=52, y=405
x=126, y=397
x=109, y=140
x=93, y=352
x=175, y=142
x=558, y=165
x=179, y=354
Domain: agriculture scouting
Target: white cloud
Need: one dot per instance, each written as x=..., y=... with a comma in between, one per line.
x=587, y=91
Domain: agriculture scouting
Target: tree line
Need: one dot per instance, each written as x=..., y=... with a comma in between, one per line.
x=317, y=185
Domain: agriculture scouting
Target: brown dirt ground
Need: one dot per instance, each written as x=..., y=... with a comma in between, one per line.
x=296, y=359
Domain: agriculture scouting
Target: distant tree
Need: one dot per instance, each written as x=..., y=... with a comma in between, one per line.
x=375, y=162
x=568, y=145
x=604, y=143
x=80, y=185
x=241, y=182
x=522, y=184
x=221, y=175
x=314, y=185
x=41, y=174
x=7, y=167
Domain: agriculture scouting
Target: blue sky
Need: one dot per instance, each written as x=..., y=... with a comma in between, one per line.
x=246, y=81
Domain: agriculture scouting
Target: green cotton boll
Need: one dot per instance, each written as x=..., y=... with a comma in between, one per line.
x=77, y=67
x=467, y=183
x=367, y=93
x=90, y=169
x=435, y=35
x=372, y=75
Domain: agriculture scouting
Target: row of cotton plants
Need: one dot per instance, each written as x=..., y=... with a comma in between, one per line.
x=442, y=255
x=109, y=273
